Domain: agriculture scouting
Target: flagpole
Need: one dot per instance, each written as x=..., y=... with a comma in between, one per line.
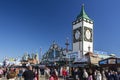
x=40, y=55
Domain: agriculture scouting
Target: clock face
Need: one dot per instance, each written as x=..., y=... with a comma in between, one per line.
x=88, y=34
x=77, y=34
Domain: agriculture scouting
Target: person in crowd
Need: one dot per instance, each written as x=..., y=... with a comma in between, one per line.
x=116, y=76
x=106, y=74
x=53, y=76
x=111, y=75
x=11, y=75
x=98, y=76
x=1, y=73
x=4, y=71
x=72, y=72
x=36, y=74
x=85, y=74
x=61, y=71
x=28, y=74
x=42, y=71
x=67, y=69
x=64, y=73
x=20, y=74
x=17, y=72
x=90, y=77
x=76, y=77
x=95, y=75
x=51, y=70
x=56, y=72
x=103, y=75
x=80, y=74
x=119, y=75
x=47, y=73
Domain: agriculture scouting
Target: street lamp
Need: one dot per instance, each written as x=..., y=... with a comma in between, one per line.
x=54, y=47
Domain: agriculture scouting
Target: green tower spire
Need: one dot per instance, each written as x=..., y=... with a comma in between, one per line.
x=83, y=14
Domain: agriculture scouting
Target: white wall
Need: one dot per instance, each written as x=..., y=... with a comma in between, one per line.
x=77, y=25
x=87, y=24
x=78, y=46
x=86, y=45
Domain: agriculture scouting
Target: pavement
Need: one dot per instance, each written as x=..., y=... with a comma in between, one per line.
x=41, y=78
x=60, y=78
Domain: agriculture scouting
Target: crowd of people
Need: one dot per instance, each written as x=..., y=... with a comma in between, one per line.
x=21, y=73
x=88, y=74
x=81, y=74
x=52, y=73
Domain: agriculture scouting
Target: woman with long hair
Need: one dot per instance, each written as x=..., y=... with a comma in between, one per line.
x=53, y=76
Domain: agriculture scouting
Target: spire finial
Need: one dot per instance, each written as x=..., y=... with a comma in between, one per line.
x=83, y=5
x=83, y=14
x=82, y=9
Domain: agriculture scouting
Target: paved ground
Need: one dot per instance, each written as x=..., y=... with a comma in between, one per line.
x=41, y=78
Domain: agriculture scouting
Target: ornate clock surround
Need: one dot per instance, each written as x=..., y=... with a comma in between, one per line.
x=85, y=38
x=74, y=33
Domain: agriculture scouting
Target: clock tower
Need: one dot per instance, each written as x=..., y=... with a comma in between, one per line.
x=82, y=33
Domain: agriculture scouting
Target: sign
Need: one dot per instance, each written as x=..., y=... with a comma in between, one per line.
x=72, y=55
x=112, y=61
x=83, y=59
x=103, y=62
x=118, y=61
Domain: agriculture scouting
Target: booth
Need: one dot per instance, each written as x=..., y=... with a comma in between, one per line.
x=111, y=63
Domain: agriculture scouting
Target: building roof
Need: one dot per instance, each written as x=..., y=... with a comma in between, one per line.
x=112, y=57
x=83, y=14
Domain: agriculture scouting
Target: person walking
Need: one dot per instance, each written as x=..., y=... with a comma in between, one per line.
x=76, y=77
x=56, y=72
x=64, y=73
x=47, y=73
x=98, y=75
x=85, y=74
x=103, y=76
x=116, y=76
x=11, y=75
x=28, y=74
x=90, y=77
x=20, y=74
x=53, y=76
x=1, y=73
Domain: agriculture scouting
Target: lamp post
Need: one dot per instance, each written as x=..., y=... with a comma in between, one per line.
x=40, y=56
x=67, y=44
x=54, y=46
x=54, y=49
x=46, y=59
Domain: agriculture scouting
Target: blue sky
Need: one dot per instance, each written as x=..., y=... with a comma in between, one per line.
x=28, y=25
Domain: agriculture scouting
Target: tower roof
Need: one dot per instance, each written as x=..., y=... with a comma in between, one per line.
x=83, y=14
